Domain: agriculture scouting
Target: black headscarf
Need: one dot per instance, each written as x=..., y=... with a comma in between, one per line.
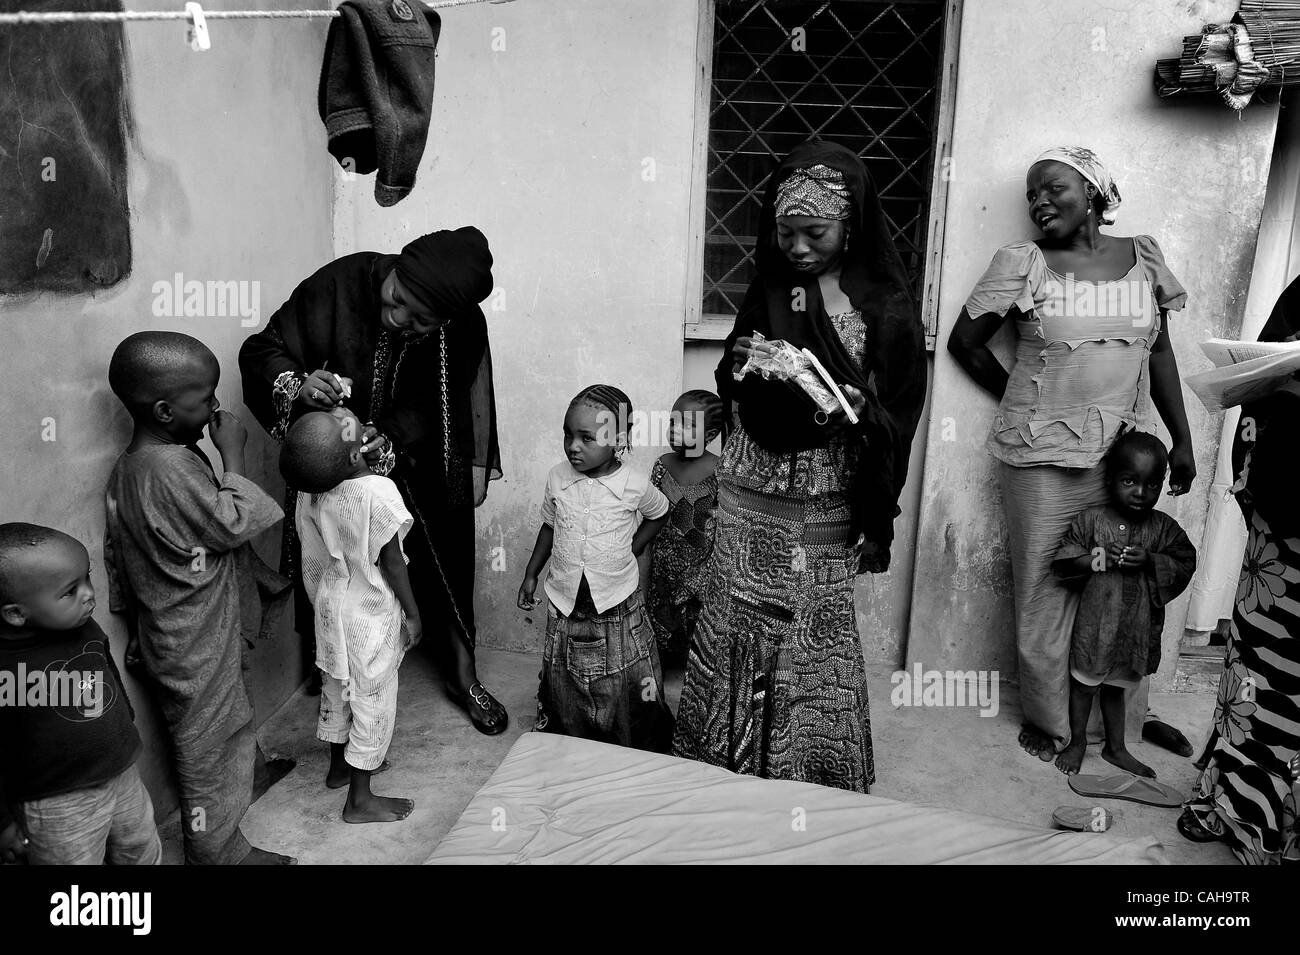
x=893, y=376
x=450, y=272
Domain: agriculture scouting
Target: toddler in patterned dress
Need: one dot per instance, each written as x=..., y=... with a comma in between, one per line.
x=686, y=477
x=1129, y=561
x=351, y=523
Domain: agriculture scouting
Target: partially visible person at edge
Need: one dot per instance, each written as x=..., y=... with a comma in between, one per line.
x=401, y=340
x=1089, y=311
x=775, y=681
x=1246, y=794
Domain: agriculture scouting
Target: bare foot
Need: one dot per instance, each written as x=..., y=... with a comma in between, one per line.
x=1037, y=743
x=1071, y=757
x=258, y=856
x=340, y=773
x=377, y=809
x=1126, y=760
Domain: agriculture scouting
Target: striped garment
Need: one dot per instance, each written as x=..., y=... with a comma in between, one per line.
x=1247, y=793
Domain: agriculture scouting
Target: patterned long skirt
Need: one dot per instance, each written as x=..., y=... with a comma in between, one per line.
x=1247, y=794
x=775, y=682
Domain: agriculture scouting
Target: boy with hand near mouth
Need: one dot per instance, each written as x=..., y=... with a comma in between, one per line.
x=181, y=568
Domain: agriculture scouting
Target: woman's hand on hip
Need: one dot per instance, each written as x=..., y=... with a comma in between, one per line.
x=1182, y=468
x=321, y=390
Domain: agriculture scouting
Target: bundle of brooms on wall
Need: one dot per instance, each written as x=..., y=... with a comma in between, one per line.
x=1258, y=51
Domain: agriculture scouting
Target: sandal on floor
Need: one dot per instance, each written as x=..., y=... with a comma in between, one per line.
x=1189, y=827
x=485, y=712
x=1083, y=818
x=1127, y=786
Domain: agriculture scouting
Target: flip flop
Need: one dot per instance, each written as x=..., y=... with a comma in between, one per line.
x=1130, y=787
x=1083, y=818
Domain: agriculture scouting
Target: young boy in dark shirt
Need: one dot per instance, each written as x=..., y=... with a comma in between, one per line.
x=181, y=568
x=70, y=793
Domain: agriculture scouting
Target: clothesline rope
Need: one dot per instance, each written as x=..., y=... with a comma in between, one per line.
x=26, y=18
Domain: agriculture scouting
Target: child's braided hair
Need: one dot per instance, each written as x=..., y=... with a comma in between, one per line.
x=607, y=397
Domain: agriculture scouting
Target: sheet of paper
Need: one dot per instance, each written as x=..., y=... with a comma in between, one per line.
x=1224, y=352
x=1246, y=381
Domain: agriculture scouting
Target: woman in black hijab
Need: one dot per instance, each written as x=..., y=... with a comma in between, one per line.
x=775, y=682
x=401, y=340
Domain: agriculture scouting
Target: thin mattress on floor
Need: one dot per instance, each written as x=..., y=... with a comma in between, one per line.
x=560, y=800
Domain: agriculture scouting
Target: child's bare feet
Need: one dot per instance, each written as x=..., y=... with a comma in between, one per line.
x=1122, y=758
x=258, y=856
x=1071, y=757
x=372, y=808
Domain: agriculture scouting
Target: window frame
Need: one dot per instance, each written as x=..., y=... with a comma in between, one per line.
x=699, y=327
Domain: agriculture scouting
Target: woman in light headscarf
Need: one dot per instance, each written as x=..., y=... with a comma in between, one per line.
x=1089, y=310
x=775, y=682
x=407, y=332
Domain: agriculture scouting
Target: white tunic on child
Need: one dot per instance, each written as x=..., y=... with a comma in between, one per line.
x=358, y=616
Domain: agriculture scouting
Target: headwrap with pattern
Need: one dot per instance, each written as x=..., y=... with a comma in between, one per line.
x=818, y=191
x=1085, y=162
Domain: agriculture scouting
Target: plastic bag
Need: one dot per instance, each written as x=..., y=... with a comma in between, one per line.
x=788, y=363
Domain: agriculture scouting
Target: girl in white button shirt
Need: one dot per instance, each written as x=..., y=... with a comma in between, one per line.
x=601, y=677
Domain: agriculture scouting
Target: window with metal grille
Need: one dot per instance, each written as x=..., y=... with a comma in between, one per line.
x=863, y=73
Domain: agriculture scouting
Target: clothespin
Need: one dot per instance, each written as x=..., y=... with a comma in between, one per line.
x=198, y=32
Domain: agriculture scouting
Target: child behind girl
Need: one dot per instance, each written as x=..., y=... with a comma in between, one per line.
x=1130, y=561
x=686, y=477
x=351, y=523
x=601, y=678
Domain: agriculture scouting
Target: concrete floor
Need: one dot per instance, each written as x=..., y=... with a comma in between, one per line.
x=951, y=758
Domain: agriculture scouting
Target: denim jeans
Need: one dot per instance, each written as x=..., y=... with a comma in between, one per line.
x=110, y=823
x=601, y=678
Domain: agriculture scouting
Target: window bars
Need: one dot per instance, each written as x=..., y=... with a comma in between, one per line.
x=863, y=73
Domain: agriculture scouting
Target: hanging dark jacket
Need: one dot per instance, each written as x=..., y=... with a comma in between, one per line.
x=376, y=90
